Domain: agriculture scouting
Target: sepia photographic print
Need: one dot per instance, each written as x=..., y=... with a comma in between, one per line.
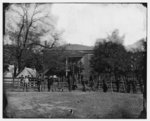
x=75, y=60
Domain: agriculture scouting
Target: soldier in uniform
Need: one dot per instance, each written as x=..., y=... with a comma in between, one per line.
x=39, y=82
x=49, y=82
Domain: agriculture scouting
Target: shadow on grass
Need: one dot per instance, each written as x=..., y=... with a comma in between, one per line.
x=143, y=114
x=121, y=114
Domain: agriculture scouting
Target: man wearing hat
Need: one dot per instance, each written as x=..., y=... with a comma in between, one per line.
x=49, y=82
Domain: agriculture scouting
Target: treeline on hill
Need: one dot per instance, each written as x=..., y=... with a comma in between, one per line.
x=114, y=64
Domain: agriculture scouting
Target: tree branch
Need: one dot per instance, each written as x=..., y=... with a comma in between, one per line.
x=38, y=44
x=40, y=18
x=16, y=12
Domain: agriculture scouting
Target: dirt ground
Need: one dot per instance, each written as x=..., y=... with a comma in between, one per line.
x=73, y=105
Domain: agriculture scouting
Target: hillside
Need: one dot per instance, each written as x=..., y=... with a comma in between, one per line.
x=78, y=47
x=137, y=45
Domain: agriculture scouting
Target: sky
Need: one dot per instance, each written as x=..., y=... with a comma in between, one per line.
x=85, y=23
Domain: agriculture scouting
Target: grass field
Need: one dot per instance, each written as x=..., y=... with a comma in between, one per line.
x=73, y=105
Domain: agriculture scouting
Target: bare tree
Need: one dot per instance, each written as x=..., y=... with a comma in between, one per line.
x=26, y=24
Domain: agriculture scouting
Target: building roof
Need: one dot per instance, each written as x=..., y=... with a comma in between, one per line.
x=27, y=71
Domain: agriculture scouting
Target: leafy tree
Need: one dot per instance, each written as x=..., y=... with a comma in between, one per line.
x=25, y=25
x=115, y=37
x=33, y=60
x=54, y=60
x=110, y=56
x=8, y=55
x=144, y=75
x=137, y=62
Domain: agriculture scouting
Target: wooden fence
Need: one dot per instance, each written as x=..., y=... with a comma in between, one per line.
x=15, y=83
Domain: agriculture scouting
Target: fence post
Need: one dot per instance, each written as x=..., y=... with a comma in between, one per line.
x=111, y=83
x=13, y=81
x=123, y=84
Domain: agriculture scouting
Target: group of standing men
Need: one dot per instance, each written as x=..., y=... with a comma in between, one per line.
x=40, y=81
x=24, y=82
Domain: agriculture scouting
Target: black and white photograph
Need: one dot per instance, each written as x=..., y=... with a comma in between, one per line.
x=74, y=60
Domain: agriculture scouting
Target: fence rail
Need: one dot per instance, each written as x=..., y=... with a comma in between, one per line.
x=15, y=83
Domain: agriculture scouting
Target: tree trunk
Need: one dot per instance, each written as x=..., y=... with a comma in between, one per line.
x=19, y=65
x=123, y=80
x=83, y=83
x=105, y=88
x=140, y=84
x=69, y=83
x=117, y=82
x=15, y=71
x=145, y=95
x=111, y=81
x=98, y=82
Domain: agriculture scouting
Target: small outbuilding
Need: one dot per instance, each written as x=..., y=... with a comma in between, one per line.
x=28, y=72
